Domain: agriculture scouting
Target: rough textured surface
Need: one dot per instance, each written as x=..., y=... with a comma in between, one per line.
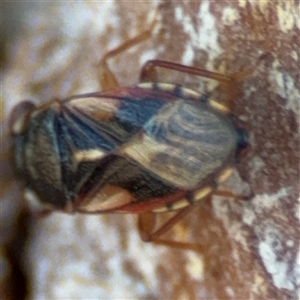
x=234, y=249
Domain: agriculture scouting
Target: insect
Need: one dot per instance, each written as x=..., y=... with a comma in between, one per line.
x=152, y=147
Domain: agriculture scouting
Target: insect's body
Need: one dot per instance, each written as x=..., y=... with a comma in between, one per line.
x=150, y=147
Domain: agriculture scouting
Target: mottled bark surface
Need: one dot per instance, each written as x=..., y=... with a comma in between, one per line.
x=235, y=249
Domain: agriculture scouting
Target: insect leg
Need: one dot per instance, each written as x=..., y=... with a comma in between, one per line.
x=107, y=78
x=146, y=224
x=148, y=71
x=146, y=221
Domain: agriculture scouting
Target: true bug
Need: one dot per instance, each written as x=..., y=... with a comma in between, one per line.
x=152, y=147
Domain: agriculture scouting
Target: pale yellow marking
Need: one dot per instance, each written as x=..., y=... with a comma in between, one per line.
x=109, y=197
x=88, y=155
x=190, y=93
x=180, y=204
x=96, y=109
x=146, y=85
x=225, y=174
x=202, y=193
x=160, y=209
x=218, y=106
x=168, y=87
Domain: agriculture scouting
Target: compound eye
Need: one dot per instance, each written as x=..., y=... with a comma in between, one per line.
x=243, y=139
x=20, y=116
